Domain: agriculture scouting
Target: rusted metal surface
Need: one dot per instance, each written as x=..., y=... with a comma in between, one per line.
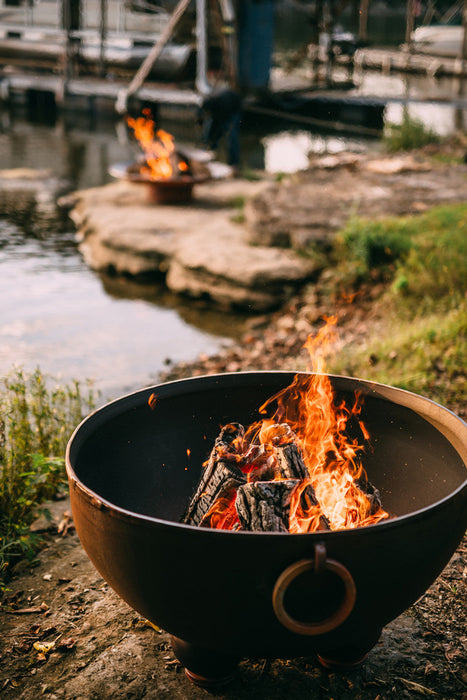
x=132, y=470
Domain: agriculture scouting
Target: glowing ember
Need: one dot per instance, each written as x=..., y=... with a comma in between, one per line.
x=161, y=159
x=333, y=492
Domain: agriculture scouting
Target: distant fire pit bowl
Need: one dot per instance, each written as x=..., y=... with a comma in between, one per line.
x=224, y=595
x=176, y=189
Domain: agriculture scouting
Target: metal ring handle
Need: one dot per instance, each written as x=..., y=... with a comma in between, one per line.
x=319, y=564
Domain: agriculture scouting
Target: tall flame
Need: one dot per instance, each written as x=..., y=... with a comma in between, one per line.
x=307, y=409
x=158, y=147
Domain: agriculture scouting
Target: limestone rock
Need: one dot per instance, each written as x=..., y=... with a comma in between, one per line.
x=231, y=273
x=198, y=247
x=310, y=207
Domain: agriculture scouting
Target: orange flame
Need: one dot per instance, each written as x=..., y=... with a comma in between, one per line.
x=306, y=412
x=158, y=146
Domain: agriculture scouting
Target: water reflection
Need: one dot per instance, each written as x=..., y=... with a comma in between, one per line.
x=59, y=315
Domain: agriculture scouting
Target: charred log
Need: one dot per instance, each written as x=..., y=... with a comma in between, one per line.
x=221, y=476
x=265, y=505
x=289, y=462
x=370, y=491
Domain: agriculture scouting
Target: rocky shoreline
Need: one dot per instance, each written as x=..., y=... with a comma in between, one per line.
x=251, y=245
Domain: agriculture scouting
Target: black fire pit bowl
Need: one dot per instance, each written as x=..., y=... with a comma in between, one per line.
x=132, y=470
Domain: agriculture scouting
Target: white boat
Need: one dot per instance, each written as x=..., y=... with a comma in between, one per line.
x=438, y=40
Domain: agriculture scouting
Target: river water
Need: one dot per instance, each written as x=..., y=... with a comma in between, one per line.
x=61, y=316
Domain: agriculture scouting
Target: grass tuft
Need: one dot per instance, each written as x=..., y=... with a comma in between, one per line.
x=36, y=421
x=410, y=134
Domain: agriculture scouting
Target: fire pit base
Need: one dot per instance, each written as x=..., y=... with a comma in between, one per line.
x=352, y=656
x=212, y=669
x=203, y=667
x=170, y=191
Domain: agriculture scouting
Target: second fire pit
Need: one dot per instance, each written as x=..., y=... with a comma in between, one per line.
x=169, y=190
x=168, y=175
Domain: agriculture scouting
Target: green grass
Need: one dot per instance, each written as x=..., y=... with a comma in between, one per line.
x=426, y=355
x=424, y=257
x=436, y=265
x=419, y=342
x=410, y=134
x=36, y=421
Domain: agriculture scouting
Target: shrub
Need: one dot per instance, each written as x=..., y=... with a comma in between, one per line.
x=436, y=265
x=35, y=424
x=375, y=244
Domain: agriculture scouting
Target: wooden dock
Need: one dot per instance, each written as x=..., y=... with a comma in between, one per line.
x=404, y=61
x=14, y=83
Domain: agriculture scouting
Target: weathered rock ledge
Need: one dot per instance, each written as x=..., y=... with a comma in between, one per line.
x=203, y=251
x=198, y=247
x=309, y=207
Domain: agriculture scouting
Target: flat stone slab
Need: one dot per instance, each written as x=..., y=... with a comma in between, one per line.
x=200, y=247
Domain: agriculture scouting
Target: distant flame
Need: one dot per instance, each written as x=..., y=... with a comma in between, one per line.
x=306, y=412
x=161, y=159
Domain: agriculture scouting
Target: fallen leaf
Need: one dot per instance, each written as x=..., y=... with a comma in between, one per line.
x=430, y=669
x=451, y=652
x=65, y=524
x=67, y=643
x=43, y=647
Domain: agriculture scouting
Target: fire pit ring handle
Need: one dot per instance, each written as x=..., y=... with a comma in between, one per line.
x=319, y=564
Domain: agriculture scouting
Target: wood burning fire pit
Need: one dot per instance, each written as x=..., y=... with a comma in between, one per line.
x=168, y=175
x=134, y=464
x=170, y=190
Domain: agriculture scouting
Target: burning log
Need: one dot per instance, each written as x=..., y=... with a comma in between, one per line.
x=264, y=503
x=289, y=461
x=370, y=491
x=221, y=476
x=265, y=481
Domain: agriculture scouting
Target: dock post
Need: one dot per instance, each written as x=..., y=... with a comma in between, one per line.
x=463, y=48
x=409, y=27
x=363, y=20
x=102, y=36
x=255, y=44
x=71, y=23
x=202, y=84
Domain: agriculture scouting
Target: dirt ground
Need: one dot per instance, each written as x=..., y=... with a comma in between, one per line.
x=66, y=634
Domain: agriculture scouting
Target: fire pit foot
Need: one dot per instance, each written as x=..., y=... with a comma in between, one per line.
x=203, y=667
x=347, y=658
x=334, y=665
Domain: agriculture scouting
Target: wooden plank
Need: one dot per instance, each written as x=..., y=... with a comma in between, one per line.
x=90, y=87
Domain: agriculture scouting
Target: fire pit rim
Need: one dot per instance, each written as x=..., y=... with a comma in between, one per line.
x=374, y=388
